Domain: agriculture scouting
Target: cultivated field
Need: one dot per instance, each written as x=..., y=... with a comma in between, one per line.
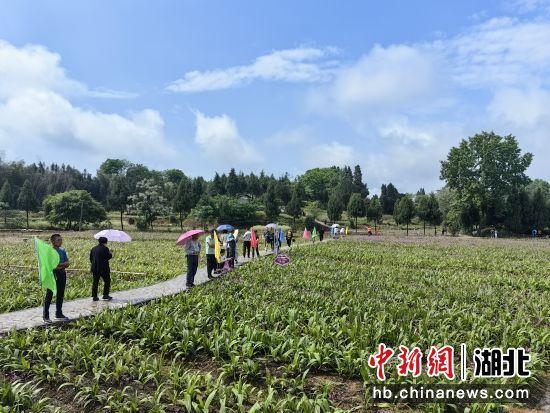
x=154, y=254
x=295, y=338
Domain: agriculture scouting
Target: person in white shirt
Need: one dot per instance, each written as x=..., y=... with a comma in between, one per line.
x=246, y=243
x=211, y=262
x=192, y=251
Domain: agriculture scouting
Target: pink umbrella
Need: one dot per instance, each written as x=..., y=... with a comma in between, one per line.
x=186, y=236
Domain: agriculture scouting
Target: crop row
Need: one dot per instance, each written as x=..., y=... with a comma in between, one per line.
x=259, y=338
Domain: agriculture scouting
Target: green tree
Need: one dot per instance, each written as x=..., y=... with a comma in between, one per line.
x=335, y=207
x=232, y=184
x=345, y=185
x=404, y=211
x=445, y=198
x=283, y=189
x=114, y=167
x=294, y=206
x=313, y=209
x=358, y=185
x=541, y=209
x=73, y=208
x=374, y=211
x=356, y=207
x=389, y=195
x=6, y=200
x=422, y=208
x=519, y=213
x=434, y=216
x=204, y=213
x=148, y=202
x=26, y=199
x=183, y=202
x=484, y=169
x=271, y=204
x=117, y=200
x=319, y=181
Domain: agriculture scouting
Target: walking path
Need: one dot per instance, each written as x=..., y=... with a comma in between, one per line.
x=85, y=307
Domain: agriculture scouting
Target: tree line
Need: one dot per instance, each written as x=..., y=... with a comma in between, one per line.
x=485, y=187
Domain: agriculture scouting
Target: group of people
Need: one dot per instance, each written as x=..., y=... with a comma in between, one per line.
x=99, y=267
x=100, y=255
x=227, y=244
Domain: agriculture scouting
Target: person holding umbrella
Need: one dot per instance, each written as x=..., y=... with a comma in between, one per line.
x=99, y=261
x=192, y=251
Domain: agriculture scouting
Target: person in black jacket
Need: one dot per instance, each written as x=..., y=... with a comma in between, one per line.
x=99, y=258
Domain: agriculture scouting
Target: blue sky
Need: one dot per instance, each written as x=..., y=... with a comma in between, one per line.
x=280, y=86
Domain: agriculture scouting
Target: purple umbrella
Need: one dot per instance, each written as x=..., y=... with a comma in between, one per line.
x=113, y=235
x=186, y=236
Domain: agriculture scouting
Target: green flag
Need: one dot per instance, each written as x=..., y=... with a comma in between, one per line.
x=314, y=233
x=48, y=260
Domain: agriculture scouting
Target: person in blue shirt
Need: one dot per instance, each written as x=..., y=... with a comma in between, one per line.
x=60, y=281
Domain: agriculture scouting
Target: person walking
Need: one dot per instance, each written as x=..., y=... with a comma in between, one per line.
x=289, y=238
x=254, y=244
x=247, y=243
x=321, y=233
x=266, y=238
x=99, y=261
x=192, y=251
x=231, y=246
x=211, y=263
x=60, y=281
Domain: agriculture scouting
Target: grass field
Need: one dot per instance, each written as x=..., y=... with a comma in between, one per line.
x=151, y=257
x=295, y=338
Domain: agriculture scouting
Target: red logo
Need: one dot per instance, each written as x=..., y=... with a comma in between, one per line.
x=380, y=359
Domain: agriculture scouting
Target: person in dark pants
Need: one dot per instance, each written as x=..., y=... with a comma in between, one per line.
x=192, y=251
x=321, y=234
x=211, y=263
x=99, y=260
x=254, y=245
x=246, y=243
x=60, y=281
x=289, y=238
x=231, y=246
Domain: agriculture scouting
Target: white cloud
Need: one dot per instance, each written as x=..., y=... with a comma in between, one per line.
x=401, y=131
x=38, y=120
x=296, y=136
x=383, y=78
x=328, y=154
x=409, y=100
x=521, y=107
x=528, y=6
x=35, y=67
x=290, y=65
x=220, y=140
x=499, y=52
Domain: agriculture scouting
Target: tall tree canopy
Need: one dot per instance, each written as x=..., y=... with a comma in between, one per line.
x=484, y=169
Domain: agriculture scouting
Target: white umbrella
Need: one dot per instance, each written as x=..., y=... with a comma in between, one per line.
x=113, y=235
x=271, y=226
x=335, y=225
